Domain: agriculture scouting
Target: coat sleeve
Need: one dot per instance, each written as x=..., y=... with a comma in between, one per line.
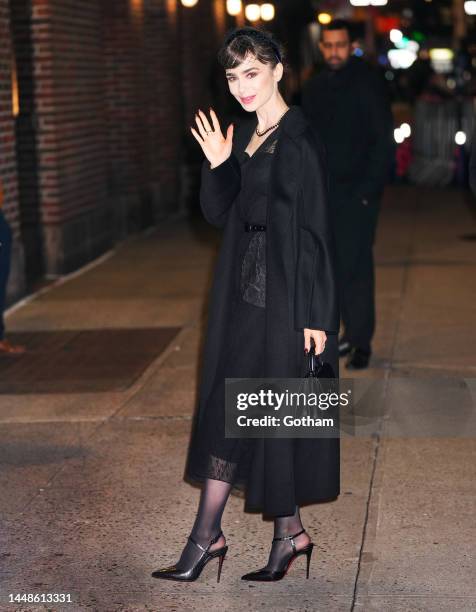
x=219, y=188
x=316, y=294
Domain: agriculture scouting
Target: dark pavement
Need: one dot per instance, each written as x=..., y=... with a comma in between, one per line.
x=92, y=455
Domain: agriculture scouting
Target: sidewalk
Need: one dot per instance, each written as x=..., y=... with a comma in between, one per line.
x=92, y=498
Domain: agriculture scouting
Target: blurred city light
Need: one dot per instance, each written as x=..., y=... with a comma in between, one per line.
x=252, y=12
x=441, y=60
x=395, y=35
x=402, y=43
x=470, y=7
x=324, y=18
x=441, y=54
x=267, y=11
x=402, y=132
x=234, y=7
x=398, y=136
x=401, y=58
x=413, y=46
x=189, y=3
x=406, y=130
x=460, y=138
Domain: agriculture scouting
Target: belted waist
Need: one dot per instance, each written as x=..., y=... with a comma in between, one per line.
x=249, y=227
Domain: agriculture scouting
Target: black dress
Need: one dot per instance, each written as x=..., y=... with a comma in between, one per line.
x=250, y=334
x=212, y=455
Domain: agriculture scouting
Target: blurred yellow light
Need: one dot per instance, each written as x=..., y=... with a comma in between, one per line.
x=15, y=91
x=189, y=3
x=252, y=12
x=324, y=18
x=234, y=7
x=267, y=11
x=441, y=54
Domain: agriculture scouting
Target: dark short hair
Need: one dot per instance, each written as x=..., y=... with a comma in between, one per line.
x=337, y=24
x=241, y=41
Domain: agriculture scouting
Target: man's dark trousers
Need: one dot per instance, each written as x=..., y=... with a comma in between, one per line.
x=5, y=256
x=354, y=226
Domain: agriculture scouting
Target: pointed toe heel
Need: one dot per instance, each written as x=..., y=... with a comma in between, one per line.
x=265, y=575
x=173, y=573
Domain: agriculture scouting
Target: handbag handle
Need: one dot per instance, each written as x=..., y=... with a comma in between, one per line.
x=315, y=363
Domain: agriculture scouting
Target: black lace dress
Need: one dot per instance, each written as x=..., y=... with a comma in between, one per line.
x=215, y=456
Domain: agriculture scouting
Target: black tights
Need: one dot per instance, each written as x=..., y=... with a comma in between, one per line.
x=208, y=524
x=281, y=551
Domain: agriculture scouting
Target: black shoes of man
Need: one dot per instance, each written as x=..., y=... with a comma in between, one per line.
x=358, y=358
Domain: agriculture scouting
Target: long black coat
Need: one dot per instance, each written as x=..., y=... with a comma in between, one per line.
x=300, y=292
x=351, y=112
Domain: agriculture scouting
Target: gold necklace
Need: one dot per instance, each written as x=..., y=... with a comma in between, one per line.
x=258, y=133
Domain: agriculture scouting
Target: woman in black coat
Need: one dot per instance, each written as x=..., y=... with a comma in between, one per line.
x=274, y=292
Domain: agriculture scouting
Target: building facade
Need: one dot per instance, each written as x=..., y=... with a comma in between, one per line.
x=96, y=100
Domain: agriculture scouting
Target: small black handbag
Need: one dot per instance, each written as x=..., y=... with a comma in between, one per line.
x=319, y=379
x=318, y=368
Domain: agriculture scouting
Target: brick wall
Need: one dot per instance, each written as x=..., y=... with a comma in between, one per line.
x=108, y=91
x=8, y=170
x=164, y=104
x=61, y=138
x=123, y=57
x=71, y=138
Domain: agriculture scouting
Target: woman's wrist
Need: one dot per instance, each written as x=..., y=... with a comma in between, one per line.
x=217, y=163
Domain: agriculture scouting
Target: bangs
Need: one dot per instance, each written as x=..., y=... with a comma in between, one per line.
x=235, y=53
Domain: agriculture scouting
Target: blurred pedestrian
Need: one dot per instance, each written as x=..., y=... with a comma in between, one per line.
x=274, y=292
x=5, y=258
x=347, y=105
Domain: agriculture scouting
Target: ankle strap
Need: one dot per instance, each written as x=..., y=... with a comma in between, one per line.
x=291, y=538
x=215, y=539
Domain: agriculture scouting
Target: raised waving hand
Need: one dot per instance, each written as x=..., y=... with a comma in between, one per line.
x=215, y=146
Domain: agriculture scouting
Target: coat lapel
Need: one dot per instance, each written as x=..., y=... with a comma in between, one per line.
x=285, y=172
x=243, y=135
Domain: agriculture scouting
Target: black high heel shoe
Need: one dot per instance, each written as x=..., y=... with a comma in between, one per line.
x=264, y=575
x=172, y=573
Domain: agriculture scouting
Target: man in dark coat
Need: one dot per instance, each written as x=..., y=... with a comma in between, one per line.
x=347, y=106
